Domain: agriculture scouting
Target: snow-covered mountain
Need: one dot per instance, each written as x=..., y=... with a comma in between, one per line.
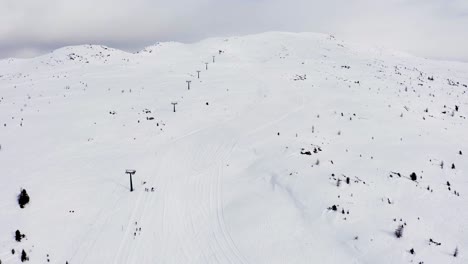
x=288, y=148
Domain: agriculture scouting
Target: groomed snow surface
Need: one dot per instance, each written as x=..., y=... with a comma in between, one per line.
x=278, y=132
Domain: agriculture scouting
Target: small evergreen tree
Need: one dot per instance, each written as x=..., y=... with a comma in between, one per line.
x=23, y=198
x=413, y=176
x=455, y=253
x=19, y=236
x=399, y=231
x=24, y=257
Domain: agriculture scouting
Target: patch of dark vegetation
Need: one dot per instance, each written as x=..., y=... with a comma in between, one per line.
x=23, y=198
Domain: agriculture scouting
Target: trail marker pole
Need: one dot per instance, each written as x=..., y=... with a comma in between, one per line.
x=214, y=59
x=174, y=104
x=206, y=63
x=188, y=84
x=198, y=74
x=130, y=172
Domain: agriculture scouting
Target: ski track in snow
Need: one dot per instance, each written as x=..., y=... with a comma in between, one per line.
x=204, y=163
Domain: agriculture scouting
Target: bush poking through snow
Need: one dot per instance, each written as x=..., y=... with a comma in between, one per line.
x=432, y=241
x=23, y=198
x=455, y=253
x=399, y=231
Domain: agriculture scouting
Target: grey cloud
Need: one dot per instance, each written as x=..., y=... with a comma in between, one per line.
x=429, y=28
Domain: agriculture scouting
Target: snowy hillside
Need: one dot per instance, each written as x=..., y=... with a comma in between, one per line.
x=288, y=148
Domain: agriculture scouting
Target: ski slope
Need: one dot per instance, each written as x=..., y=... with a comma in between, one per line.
x=248, y=168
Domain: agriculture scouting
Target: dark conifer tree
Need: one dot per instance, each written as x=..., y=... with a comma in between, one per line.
x=399, y=231
x=24, y=257
x=18, y=236
x=23, y=198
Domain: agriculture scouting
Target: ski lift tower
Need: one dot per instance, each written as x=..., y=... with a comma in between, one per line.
x=130, y=172
x=174, y=104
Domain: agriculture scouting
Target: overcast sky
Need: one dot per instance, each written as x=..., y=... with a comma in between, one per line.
x=428, y=28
